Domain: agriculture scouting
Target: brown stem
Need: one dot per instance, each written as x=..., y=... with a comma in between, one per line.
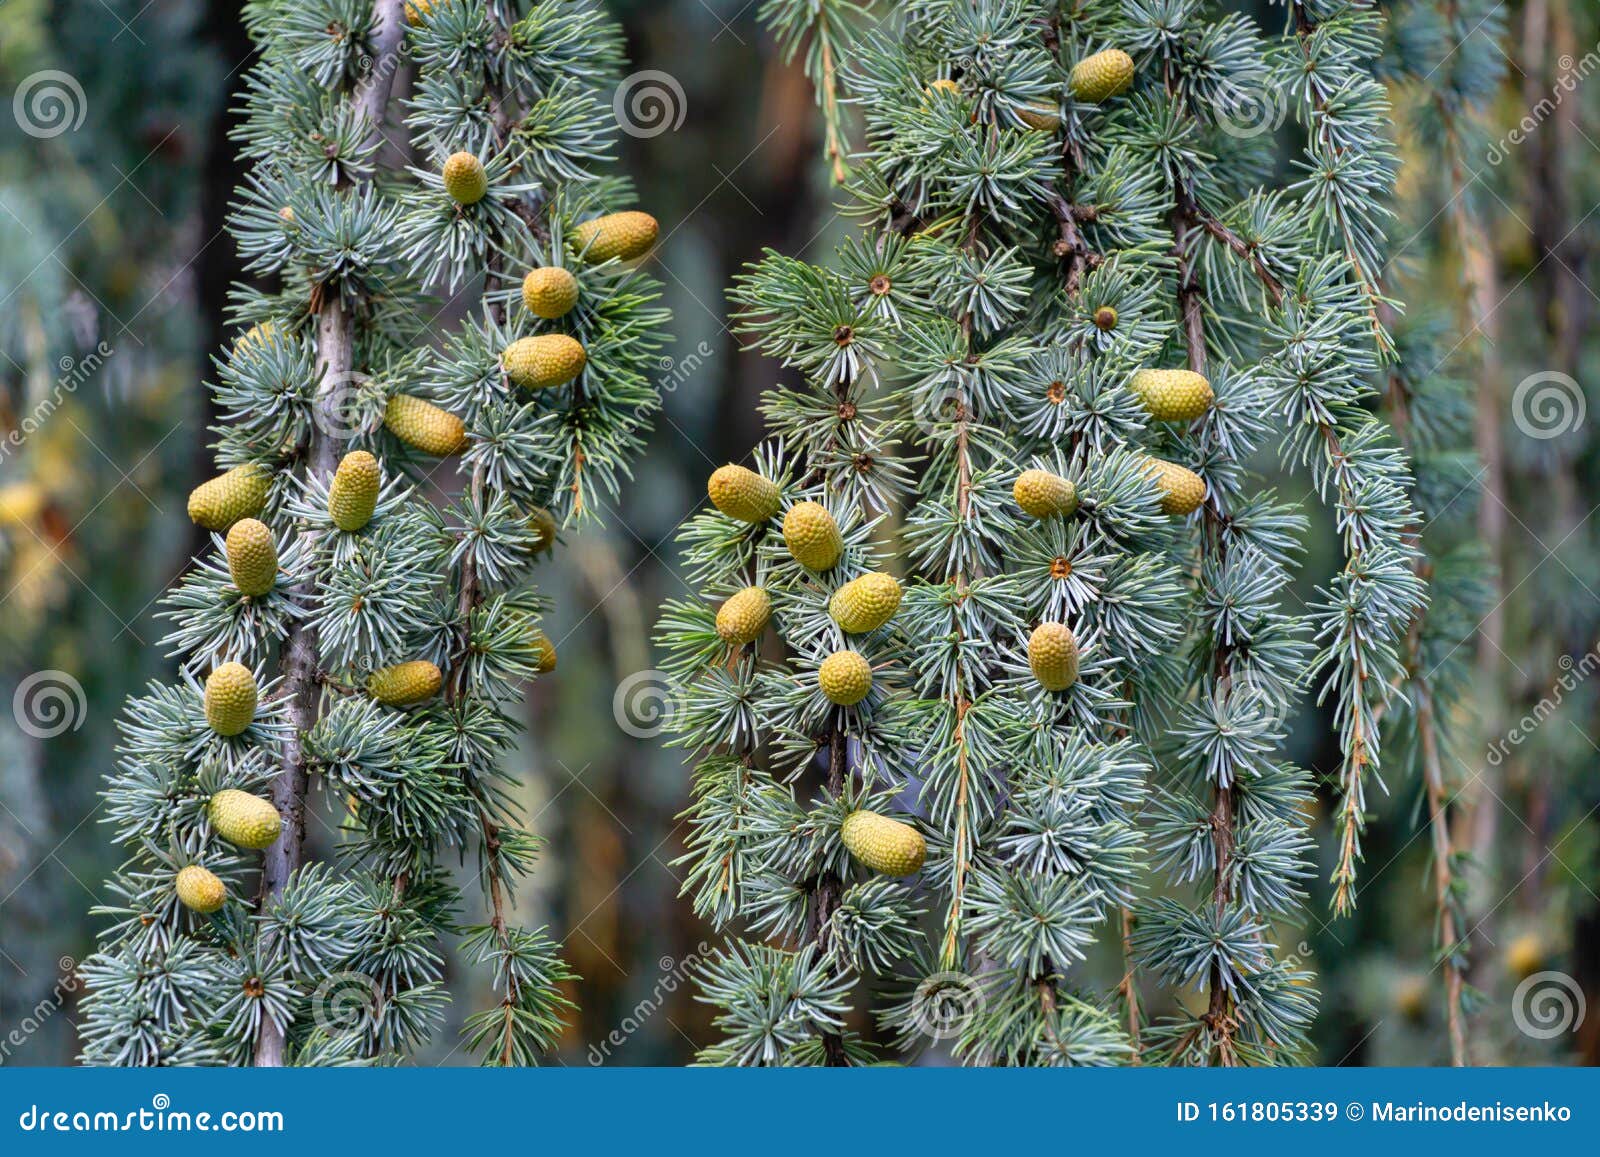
x=1129, y=986
x=830, y=114
x=335, y=353
x=1191, y=309
x=1249, y=252
x=827, y=890
x=1443, y=875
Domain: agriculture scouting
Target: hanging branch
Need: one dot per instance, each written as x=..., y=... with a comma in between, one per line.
x=335, y=352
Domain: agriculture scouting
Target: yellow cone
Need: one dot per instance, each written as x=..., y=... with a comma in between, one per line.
x=225, y=499
x=883, y=844
x=744, y=616
x=424, y=426
x=464, y=178
x=1182, y=491
x=626, y=235
x=1102, y=76
x=743, y=494
x=244, y=819
x=200, y=889
x=1053, y=656
x=252, y=557
x=550, y=292
x=812, y=536
x=1172, y=395
x=405, y=683
x=865, y=603
x=544, y=361
x=845, y=678
x=353, y=494
x=230, y=698
x=1044, y=495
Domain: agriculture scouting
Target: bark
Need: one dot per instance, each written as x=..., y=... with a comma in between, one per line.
x=336, y=335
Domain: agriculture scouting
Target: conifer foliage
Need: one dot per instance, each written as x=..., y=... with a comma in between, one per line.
x=1004, y=653
x=353, y=652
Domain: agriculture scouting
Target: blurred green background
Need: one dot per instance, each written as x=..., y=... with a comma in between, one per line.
x=115, y=176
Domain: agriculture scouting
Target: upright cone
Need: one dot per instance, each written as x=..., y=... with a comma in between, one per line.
x=353, y=494
x=252, y=557
x=865, y=603
x=464, y=178
x=1053, y=656
x=1101, y=76
x=812, y=536
x=405, y=684
x=230, y=698
x=200, y=890
x=245, y=820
